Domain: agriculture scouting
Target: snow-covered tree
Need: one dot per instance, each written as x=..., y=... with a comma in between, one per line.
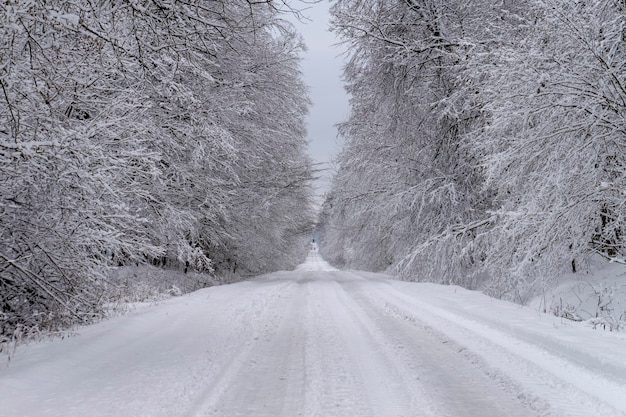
x=141, y=132
x=554, y=148
x=268, y=222
x=485, y=143
x=405, y=177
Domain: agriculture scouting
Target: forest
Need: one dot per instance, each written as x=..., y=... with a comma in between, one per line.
x=144, y=132
x=485, y=145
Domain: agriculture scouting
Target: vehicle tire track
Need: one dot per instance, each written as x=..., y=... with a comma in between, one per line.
x=256, y=323
x=427, y=373
x=504, y=358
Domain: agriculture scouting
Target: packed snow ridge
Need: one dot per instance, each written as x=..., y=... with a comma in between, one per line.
x=322, y=342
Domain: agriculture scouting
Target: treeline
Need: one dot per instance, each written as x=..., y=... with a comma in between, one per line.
x=486, y=144
x=162, y=132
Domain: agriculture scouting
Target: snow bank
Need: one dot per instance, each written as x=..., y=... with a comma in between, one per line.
x=597, y=297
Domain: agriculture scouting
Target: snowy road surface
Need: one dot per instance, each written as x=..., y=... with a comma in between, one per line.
x=322, y=342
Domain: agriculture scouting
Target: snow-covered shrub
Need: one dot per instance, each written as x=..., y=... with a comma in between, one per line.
x=609, y=301
x=145, y=283
x=565, y=310
x=598, y=299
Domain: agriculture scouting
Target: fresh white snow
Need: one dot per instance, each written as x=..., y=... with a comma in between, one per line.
x=321, y=342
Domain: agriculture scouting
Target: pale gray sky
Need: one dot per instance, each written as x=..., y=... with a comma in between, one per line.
x=322, y=66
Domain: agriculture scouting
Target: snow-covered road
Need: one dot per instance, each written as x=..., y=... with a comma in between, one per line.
x=322, y=342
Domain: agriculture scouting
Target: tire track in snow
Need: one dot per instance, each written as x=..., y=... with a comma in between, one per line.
x=331, y=352
x=539, y=379
x=427, y=374
x=313, y=343
x=391, y=388
x=264, y=377
x=300, y=367
x=253, y=321
x=333, y=389
x=159, y=358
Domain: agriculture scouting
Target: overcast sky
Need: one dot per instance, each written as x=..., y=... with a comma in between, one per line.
x=322, y=65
